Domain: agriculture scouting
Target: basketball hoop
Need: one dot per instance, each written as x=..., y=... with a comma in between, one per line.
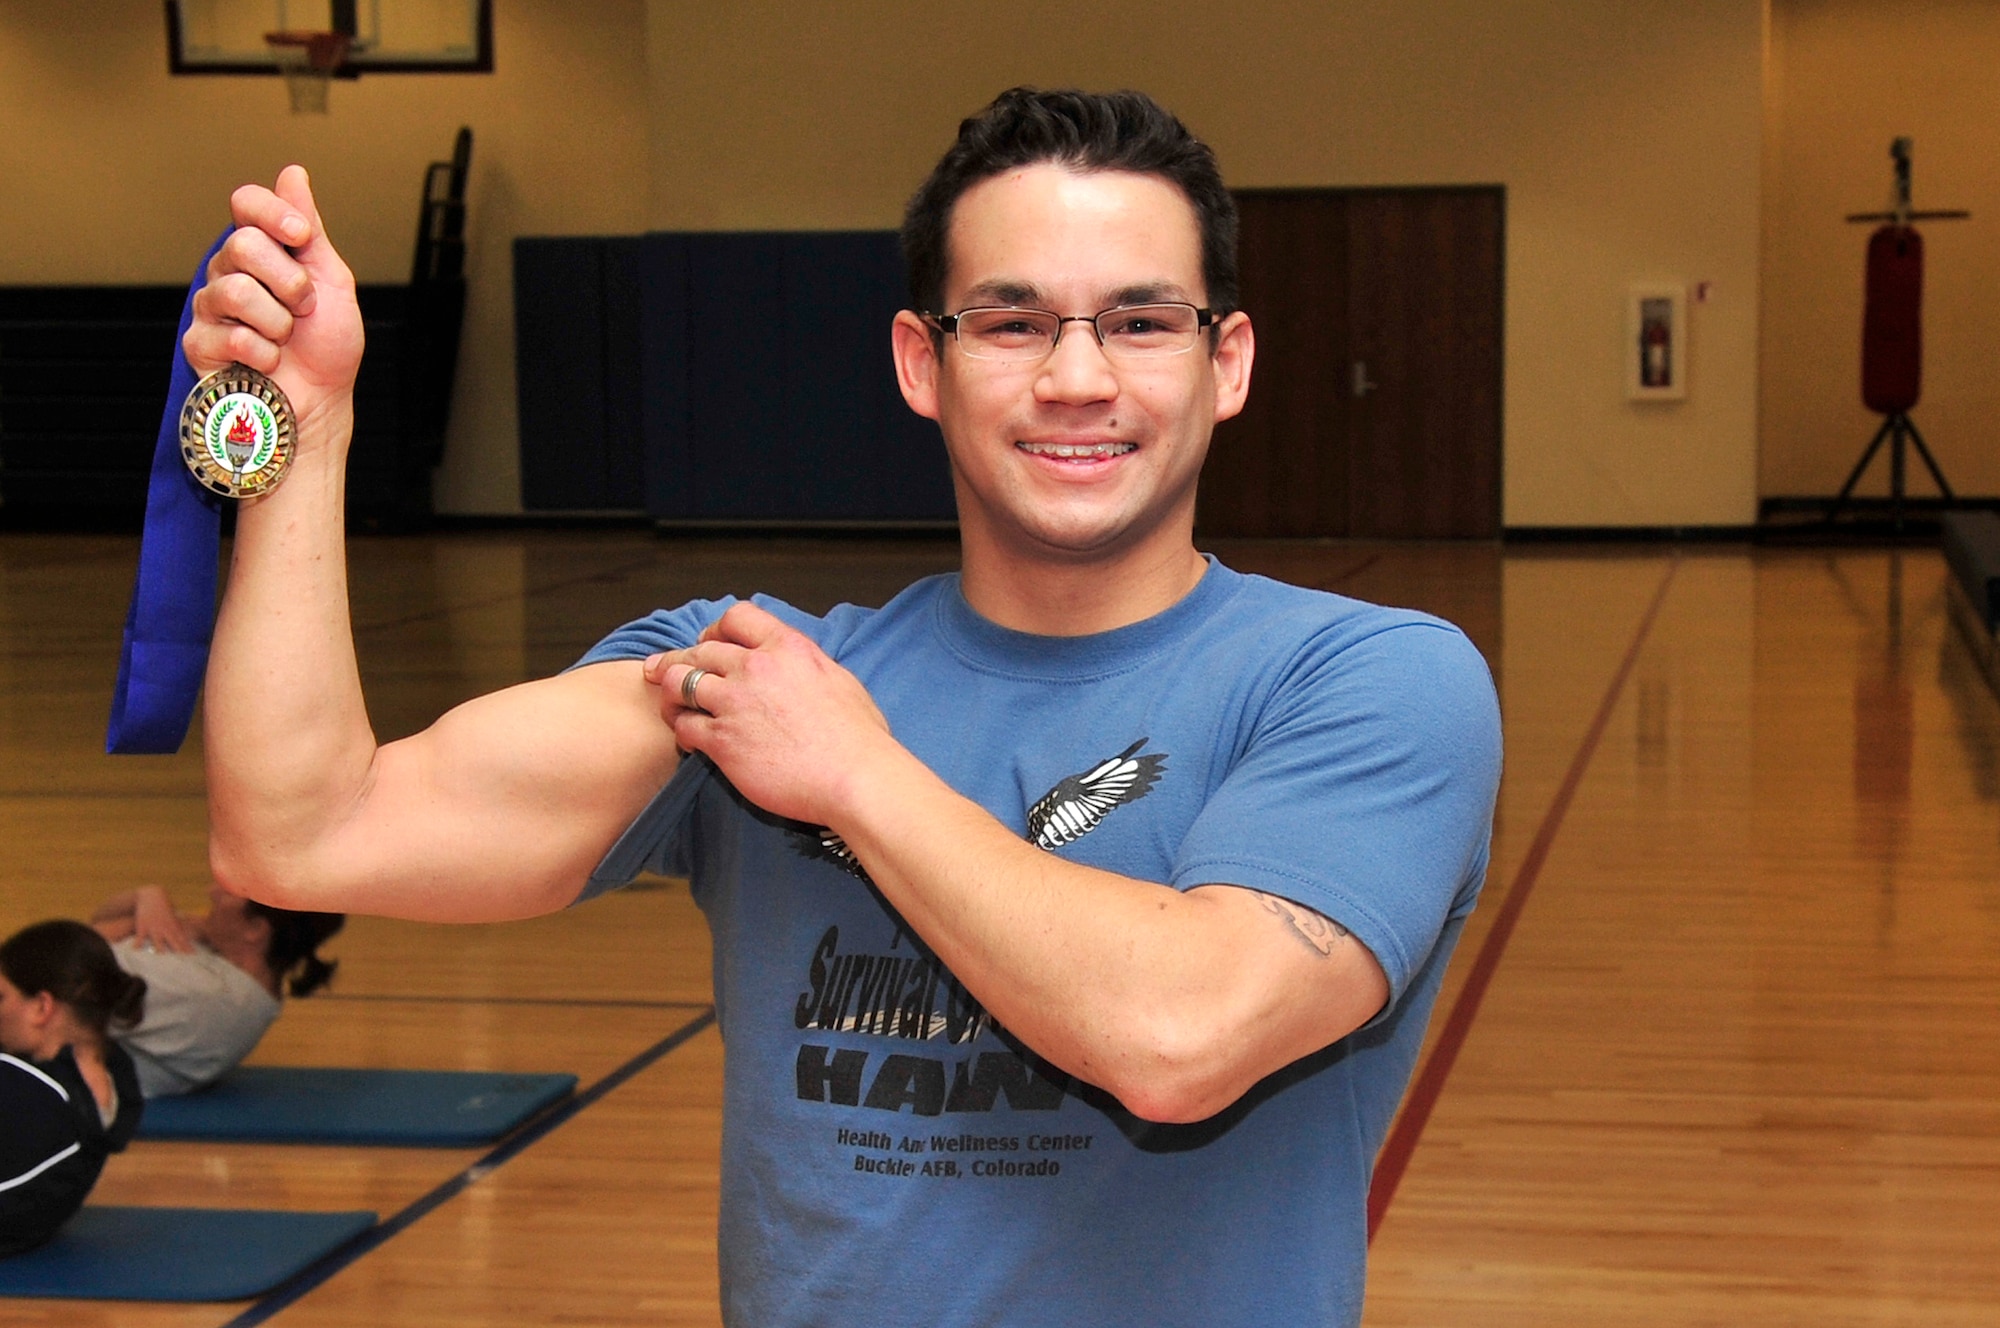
x=308, y=61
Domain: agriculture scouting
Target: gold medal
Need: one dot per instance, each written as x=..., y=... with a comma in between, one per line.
x=237, y=433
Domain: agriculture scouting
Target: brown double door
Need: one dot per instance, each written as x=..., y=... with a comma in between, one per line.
x=1374, y=405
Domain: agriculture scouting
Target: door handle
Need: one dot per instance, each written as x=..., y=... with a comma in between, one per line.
x=1359, y=380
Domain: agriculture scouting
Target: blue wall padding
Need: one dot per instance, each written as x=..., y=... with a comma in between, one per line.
x=576, y=345
x=289, y=1104
x=735, y=376
x=107, y=1253
x=783, y=403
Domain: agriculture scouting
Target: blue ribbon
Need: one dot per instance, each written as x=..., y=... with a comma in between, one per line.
x=172, y=617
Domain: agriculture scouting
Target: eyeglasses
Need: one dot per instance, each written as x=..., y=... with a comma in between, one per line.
x=1127, y=332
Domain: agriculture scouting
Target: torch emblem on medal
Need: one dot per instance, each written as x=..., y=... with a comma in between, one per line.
x=237, y=433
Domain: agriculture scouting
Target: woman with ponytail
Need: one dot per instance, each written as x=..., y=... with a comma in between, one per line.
x=217, y=981
x=68, y=1094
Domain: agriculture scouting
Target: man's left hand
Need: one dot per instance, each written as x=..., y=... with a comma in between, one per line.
x=788, y=726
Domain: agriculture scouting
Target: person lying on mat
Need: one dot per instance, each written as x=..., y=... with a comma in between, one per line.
x=216, y=981
x=1076, y=917
x=68, y=1094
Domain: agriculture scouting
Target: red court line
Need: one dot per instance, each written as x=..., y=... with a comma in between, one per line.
x=1429, y=1083
x=1357, y=569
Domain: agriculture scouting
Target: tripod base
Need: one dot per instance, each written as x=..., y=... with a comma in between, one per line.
x=1898, y=430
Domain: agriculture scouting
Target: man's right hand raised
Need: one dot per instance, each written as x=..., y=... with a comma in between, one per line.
x=281, y=300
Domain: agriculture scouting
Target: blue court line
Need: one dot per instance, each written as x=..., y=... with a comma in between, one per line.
x=581, y=1001
x=290, y=1291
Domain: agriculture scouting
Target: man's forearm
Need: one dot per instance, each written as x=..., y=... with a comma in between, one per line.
x=287, y=738
x=1154, y=994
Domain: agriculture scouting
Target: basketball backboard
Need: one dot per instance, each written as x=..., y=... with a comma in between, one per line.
x=399, y=37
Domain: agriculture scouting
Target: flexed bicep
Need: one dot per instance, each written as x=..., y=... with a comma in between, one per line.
x=501, y=809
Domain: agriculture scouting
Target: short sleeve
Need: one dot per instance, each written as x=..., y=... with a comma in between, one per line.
x=1365, y=790
x=654, y=840
x=662, y=629
x=677, y=629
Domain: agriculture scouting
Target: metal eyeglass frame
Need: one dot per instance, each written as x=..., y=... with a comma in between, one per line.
x=1204, y=318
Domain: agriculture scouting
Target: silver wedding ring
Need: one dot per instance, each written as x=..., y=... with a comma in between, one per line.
x=688, y=684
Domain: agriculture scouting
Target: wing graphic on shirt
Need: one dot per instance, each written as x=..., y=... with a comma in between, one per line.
x=1075, y=806
x=823, y=842
x=1063, y=815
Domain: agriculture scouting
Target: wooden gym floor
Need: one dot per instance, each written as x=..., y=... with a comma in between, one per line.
x=1729, y=1056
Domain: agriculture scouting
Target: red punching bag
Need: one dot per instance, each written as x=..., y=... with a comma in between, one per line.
x=1892, y=320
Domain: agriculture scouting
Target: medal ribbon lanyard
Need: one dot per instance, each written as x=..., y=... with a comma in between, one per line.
x=172, y=617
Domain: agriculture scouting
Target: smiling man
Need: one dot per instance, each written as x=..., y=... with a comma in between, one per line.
x=1077, y=917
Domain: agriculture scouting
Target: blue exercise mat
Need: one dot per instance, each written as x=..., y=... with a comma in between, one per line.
x=107, y=1253
x=295, y=1105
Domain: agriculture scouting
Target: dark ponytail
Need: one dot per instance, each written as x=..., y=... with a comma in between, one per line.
x=72, y=963
x=292, y=951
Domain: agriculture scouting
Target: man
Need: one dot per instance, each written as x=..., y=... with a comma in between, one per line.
x=214, y=983
x=1077, y=917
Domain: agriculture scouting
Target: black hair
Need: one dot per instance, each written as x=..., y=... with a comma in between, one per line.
x=1083, y=131
x=74, y=964
x=292, y=951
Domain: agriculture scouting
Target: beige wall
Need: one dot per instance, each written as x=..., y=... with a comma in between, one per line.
x=1627, y=136
x=113, y=171
x=1850, y=75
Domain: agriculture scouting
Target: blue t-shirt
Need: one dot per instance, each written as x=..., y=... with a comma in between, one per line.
x=891, y=1155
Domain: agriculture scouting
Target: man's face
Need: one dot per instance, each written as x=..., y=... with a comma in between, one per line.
x=1074, y=457
x=229, y=919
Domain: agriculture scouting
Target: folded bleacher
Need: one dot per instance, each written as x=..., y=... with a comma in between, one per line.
x=1972, y=550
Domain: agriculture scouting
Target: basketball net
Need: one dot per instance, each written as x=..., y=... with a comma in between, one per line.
x=308, y=61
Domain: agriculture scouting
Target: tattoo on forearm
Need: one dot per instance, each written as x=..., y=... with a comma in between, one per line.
x=1317, y=930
